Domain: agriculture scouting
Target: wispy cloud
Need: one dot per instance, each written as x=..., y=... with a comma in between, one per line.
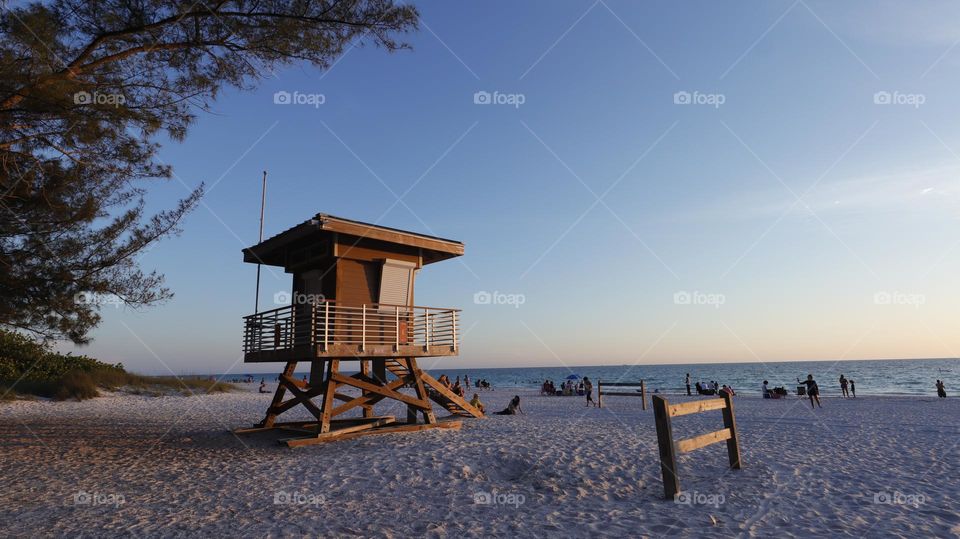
x=932, y=191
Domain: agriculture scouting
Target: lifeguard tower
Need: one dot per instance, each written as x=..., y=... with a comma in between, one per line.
x=352, y=301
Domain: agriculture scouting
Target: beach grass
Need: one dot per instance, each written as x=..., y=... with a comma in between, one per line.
x=82, y=385
x=30, y=369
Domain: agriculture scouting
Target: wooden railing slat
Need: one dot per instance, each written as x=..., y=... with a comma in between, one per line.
x=690, y=444
x=694, y=407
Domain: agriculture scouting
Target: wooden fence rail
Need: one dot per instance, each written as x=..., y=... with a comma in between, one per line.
x=642, y=394
x=663, y=411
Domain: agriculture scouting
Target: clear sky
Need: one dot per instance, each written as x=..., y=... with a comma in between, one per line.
x=799, y=201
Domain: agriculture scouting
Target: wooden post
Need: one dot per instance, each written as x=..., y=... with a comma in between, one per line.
x=278, y=396
x=643, y=395
x=365, y=370
x=428, y=416
x=668, y=456
x=599, y=394
x=363, y=328
x=733, y=443
x=330, y=388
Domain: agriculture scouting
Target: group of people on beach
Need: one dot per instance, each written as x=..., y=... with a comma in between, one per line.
x=708, y=388
x=460, y=389
x=569, y=388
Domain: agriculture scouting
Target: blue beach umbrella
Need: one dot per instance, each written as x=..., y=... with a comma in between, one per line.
x=573, y=377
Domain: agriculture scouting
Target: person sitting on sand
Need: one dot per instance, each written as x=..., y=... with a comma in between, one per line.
x=263, y=386
x=513, y=408
x=475, y=402
x=588, y=389
x=941, y=389
x=728, y=390
x=813, y=391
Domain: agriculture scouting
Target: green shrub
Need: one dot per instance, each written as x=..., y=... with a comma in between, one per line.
x=76, y=385
x=28, y=367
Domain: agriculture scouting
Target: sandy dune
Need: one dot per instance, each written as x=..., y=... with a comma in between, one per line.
x=167, y=466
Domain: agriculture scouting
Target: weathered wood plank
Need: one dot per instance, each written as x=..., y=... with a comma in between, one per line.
x=668, y=456
x=703, y=440
x=733, y=443
x=389, y=429
x=382, y=390
x=694, y=407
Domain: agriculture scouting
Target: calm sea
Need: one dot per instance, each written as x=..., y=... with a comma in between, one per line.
x=872, y=377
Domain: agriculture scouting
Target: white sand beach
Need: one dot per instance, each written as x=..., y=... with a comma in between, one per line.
x=168, y=466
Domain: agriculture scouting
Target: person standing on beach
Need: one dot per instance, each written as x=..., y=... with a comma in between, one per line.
x=843, y=387
x=853, y=388
x=588, y=389
x=813, y=391
x=941, y=390
x=688, y=384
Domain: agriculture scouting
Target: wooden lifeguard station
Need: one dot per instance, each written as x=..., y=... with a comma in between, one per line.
x=352, y=301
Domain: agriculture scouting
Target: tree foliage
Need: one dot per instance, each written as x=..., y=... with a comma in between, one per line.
x=86, y=88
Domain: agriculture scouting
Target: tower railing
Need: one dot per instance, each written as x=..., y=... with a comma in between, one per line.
x=326, y=324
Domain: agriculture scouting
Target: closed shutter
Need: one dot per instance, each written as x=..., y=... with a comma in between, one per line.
x=395, y=280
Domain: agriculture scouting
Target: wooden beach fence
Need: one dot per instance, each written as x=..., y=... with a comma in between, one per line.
x=663, y=411
x=642, y=393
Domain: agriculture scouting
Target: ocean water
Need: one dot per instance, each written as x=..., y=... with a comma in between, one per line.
x=872, y=377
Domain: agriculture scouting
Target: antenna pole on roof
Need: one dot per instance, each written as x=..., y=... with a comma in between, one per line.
x=263, y=200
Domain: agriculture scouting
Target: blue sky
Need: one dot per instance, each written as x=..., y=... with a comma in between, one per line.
x=806, y=203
